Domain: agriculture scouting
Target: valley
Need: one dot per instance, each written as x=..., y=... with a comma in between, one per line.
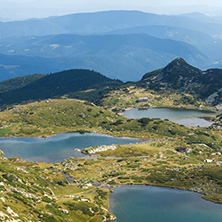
x=150, y=115
x=43, y=191
x=139, y=42
x=40, y=191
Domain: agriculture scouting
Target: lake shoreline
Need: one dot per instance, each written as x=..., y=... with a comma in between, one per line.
x=65, y=146
x=209, y=109
x=182, y=116
x=169, y=187
x=200, y=195
x=97, y=130
x=69, y=132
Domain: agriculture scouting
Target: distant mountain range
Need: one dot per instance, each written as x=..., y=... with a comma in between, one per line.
x=177, y=76
x=102, y=22
x=123, y=57
x=14, y=66
x=198, y=39
x=120, y=44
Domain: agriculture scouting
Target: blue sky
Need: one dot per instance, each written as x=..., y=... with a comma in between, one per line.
x=22, y=9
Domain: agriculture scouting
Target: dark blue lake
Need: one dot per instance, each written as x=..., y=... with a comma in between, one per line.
x=57, y=148
x=156, y=204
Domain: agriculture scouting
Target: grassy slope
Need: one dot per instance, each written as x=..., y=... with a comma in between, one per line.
x=126, y=97
x=184, y=78
x=53, y=116
x=50, y=117
x=76, y=83
x=178, y=84
x=40, y=192
x=15, y=83
x=34, y=193
x=155, y=163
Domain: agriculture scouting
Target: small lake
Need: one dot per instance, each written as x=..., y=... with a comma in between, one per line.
x=186, y=117
x=157, y=204
x=57, y=148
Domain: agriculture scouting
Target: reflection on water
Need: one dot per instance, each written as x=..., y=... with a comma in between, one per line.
x=186, y=117
x=156, y=204
x=56, y=148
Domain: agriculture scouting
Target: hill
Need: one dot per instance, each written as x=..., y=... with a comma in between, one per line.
x=53, y=116
x=206, y=43
x=184, y=78
x=176, y=85
x=15, y=83
x=82, y=84
x=192, y=37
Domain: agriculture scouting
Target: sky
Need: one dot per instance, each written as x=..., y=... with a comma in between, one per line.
x=24, y=9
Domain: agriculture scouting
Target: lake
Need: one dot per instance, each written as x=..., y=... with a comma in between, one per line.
x=57, y=148
x=157, y=204
x=186, y=117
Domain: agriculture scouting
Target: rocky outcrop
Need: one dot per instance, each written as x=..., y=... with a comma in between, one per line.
x=98, y=149
x=1, y=154
x=219, y=106
x=184, y=78
x=215, y=98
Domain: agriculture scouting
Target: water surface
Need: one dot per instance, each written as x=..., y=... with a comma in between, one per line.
x=56, y=148
x=156, y=204
x=186, y=117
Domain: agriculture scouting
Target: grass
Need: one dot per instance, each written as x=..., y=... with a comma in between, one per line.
x=126, y=97
x=40, y=192
x=4, y=132
x=156, y=163
x=67, y=115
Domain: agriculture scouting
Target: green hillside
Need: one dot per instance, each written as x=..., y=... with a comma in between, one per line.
x=16, y=83
x=84, y=103
x=184, y=78
x=51, y=117
x=44, y=192
x=82, y=84
x=174, y=85
x=67, y=115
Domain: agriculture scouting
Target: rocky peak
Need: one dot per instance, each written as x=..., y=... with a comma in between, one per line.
x=178, y=69
x=181, y=65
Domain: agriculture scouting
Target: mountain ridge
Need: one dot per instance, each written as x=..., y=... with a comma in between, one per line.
x=98, y=22
x=122, y=57
x=181, y=76
x=65, y=83
x=177, y=76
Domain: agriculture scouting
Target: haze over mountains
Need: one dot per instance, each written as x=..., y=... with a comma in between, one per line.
x=102, y=22
x=120, y=44
x=178, y=76
x=124, y=57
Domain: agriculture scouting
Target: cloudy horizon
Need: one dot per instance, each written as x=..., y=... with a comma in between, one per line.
x=25, y=9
